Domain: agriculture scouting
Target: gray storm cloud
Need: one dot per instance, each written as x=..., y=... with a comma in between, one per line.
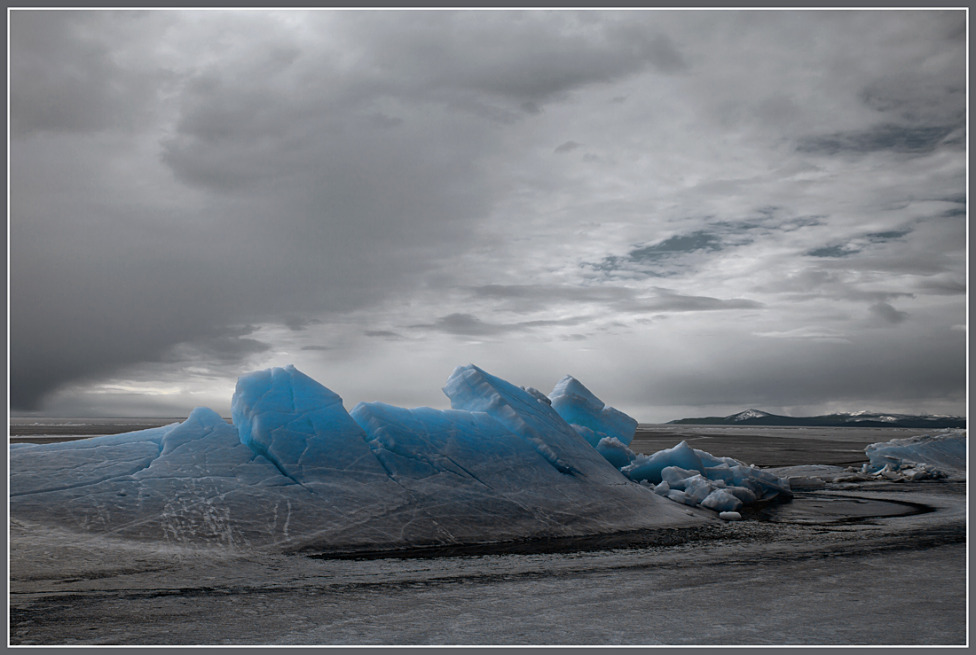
x=359, y=191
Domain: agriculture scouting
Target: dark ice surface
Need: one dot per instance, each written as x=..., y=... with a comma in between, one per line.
x=771, y=446
x=876, y=563
x=51, y=430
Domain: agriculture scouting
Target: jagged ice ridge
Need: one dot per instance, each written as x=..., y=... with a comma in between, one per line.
x=295, y=471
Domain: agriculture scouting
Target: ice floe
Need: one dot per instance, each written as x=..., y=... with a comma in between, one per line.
x=937, y=456
x=934, y=456
x=296, y=471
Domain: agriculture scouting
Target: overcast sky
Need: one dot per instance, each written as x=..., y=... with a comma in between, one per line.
x=692, y=212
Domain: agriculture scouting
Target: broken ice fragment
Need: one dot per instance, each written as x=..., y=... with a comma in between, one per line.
x=934, y=456
x=579, y=407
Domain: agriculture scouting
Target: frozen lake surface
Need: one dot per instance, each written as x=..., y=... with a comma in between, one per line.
x=874, y=563
x=772, y=446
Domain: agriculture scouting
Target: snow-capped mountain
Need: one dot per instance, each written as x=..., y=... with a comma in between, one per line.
x=863, y=418
x=747, y=415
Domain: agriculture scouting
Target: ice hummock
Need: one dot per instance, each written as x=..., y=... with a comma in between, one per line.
x=939, y=455
x=296, y=471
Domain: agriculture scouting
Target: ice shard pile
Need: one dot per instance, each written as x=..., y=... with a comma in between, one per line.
x=683, y=474
x=941, y=455
x=693, y=477
x=295, y=471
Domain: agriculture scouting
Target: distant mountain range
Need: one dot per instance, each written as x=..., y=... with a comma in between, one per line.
x=856, y=419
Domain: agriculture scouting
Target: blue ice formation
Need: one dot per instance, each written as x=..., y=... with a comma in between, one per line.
x=299, y=426
x=608, y=430
x=295, y=471
x=694, y=477
x=682, y=473
x=939, y=455
x=588, y=415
